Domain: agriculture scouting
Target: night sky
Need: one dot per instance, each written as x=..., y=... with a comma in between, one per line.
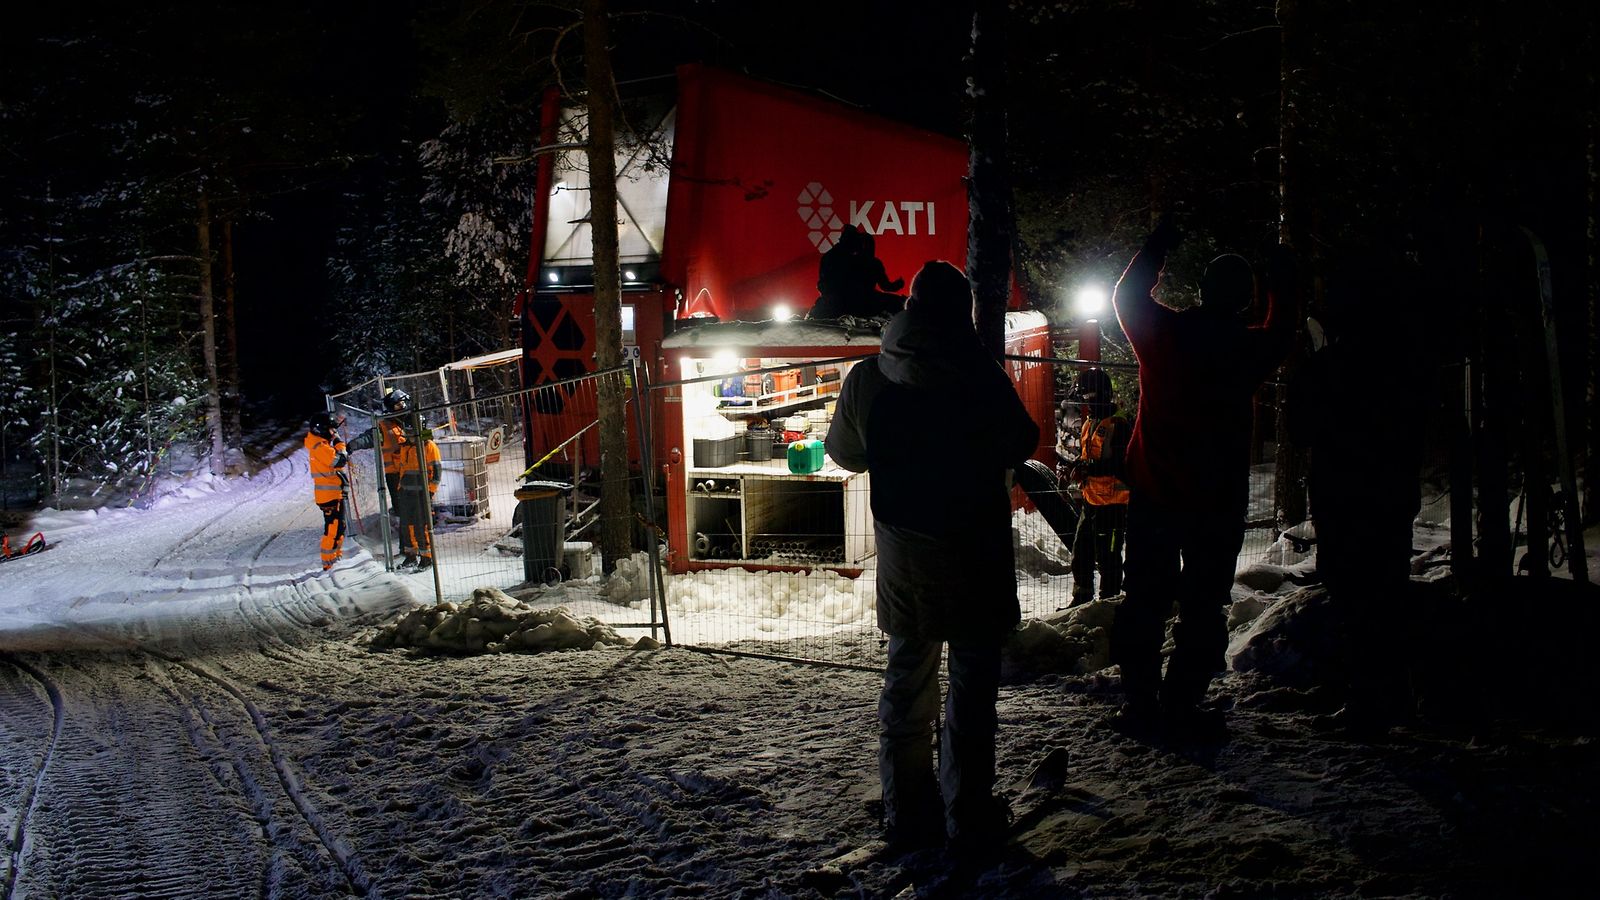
x=365, y=67
x=901, y=60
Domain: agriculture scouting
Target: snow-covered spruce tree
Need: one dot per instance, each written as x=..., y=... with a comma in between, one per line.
x=431, y=248
x=392, y=285
x=488, y=204
x=111, y=379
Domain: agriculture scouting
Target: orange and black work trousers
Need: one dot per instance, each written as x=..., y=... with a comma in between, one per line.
x=413, y=504
x=332, y=531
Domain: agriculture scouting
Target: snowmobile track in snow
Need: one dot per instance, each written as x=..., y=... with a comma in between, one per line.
x=18, y=835
x=349, y=866
x=180, y=543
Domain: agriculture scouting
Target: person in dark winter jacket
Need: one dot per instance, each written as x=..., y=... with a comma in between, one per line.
x=325, y=451
x=1188, y=470
x=1366, y=443
x=946, y=568
x=1099, y=472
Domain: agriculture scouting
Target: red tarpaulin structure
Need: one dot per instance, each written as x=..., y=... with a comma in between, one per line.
x=764, y=179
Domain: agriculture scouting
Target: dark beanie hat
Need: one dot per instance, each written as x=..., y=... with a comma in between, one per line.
x=1228, y=285
x=941, y=289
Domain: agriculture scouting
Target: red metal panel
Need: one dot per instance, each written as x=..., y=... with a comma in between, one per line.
x=765, y=177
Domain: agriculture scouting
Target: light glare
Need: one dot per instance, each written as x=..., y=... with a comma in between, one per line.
x=1090, y=301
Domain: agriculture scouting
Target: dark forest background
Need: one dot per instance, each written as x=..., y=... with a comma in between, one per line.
x=343, y=189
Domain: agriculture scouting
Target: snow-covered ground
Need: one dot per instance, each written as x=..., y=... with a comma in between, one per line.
x=189, y=708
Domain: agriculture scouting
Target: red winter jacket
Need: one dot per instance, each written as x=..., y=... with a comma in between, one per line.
x=1198, y=374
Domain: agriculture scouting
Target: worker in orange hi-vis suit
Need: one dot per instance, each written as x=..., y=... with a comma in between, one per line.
x=419, y=478
x=328, y=460
x=391, y=433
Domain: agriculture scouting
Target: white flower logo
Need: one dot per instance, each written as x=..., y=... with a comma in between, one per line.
x=816, y=210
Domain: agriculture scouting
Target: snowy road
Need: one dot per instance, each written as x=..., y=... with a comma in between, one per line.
x=189, y=709
x=138, y=758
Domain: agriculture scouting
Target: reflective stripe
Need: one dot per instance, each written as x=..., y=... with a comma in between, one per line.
x=1101, y=490
x=325, y=481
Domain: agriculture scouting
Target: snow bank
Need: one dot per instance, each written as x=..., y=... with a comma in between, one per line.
x=493, y=622
x=1294, y=640
x=1076, y=641
x=1040, y=551
x=815, y=596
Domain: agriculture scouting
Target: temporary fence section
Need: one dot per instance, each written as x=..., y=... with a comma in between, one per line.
x=524, y=514
x=1263, y=522
x=770, y=545
x=740, y=527
x=772, y=552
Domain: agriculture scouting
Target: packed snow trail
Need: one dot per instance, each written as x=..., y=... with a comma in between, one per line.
x=190, y=708
x=137, y=762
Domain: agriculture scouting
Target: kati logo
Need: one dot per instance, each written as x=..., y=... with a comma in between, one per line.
x=816, y=210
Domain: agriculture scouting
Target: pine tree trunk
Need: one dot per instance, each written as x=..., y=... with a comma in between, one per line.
x=1591, y=468
x=208, y=327
x=989, y=225
x=1494, y=403
x=228, y=353
x=1289, y=463
x=615, y=506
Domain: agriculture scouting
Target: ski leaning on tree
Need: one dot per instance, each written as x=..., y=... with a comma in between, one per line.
x=328, y=458
x=946, y=572
x=1188, y=470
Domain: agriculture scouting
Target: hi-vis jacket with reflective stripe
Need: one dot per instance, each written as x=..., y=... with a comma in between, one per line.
x=327, y=463
x=1104, y=442
x=393, y=438
x=405, y=463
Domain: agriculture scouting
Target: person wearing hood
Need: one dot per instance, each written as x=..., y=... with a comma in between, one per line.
x=326, y=452
x=1103, y=523
x=1189, y=472
x=937, y=423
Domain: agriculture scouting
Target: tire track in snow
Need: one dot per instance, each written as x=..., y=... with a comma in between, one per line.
x=273, y=477
x=128, y=809
x=349, y=865
x=18, y=836
x=208, y=735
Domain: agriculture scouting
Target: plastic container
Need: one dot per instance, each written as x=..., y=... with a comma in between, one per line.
x=462, y=447
x=758, y=445
x=711, y=453
x=805, y=456
x=544, y=527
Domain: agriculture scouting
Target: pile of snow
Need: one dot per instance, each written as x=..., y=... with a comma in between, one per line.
x=1040, y=551
x=816, y=596
x=629, y=585
x=1076, y=641
x=1294, y=639
x=493, y=622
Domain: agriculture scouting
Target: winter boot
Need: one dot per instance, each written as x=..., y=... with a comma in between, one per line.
x=423, y=564
x=409, y=564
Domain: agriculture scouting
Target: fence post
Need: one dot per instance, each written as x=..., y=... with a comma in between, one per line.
x=427, y=502
x=647, y=461
x=383, y=496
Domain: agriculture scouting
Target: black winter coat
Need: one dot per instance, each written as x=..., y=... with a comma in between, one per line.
x=936, y=422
